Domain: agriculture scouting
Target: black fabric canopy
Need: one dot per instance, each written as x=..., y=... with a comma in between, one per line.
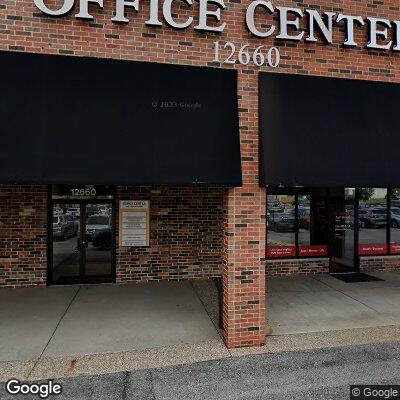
x=328, y=132
x=71, y=120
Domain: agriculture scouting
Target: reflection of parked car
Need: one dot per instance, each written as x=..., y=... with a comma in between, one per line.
x=92, y=210
x=303, y=208
x=64, y=227
x=102, y=238
x=57, y=211
x=105, y=209
x=95, y=223
x=395, y=218
x=282, y=221
x=74, y=213
x=274, y=206
x=372, y=217
x=395, y=202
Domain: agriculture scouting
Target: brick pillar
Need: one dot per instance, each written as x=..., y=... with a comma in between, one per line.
x=243, y=274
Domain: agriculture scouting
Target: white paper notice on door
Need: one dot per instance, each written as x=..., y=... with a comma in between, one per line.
x=134, y=223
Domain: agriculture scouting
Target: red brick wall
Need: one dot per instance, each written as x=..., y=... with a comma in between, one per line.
x=187, y=227
x=186, y=239
x=24, y=28
x=373, y=264
x=23, y=235
x=297, y=267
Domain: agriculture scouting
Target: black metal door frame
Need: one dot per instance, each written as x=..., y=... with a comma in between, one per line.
x=82, y=244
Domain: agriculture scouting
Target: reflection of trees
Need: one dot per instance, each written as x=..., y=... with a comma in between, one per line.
x=366, y=193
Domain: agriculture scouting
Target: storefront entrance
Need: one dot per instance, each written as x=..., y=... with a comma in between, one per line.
x=342, y=231
x=340, y=224
x=82, y=243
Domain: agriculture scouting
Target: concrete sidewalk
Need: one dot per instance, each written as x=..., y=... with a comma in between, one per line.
x=80, y=330
x=306, y=304
x=74, y=321
x=79, y=320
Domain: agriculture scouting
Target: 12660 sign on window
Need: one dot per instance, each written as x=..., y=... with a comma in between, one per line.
x=82, y=192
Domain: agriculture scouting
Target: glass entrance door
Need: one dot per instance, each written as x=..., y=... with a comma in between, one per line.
x=97, y=241
x=82, y=242
x=66, y=233
x=342, y=238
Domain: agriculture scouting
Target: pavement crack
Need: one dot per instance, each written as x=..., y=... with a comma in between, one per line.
x=152, y=391
x=53, y=333
x=347, y=295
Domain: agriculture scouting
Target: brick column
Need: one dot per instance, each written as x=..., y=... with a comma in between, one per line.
x=243, y=274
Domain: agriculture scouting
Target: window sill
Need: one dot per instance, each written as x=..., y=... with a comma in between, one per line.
x=375, y=256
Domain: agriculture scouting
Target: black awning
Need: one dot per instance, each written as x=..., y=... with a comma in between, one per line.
x=328, y=132
x=71, y=120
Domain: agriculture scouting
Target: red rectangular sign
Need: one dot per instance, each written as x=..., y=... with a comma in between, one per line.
x=372, y=249
x=313, y=251
x=395, y=248
x=281, y=251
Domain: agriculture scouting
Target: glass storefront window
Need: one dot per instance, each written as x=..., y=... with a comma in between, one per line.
x=304, y=237
x=281, y=239
x=395, y=222
x=327, y=223
x=372, y=221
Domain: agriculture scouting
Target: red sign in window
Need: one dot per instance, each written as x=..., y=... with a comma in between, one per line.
x=372, y=249
x=313, y=251
x=281, y=251
x=395, y=248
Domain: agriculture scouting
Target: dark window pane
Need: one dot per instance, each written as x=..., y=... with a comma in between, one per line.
x=342, y=235
x=312, y=226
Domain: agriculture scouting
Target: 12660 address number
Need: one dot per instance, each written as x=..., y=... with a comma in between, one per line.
x=261, y=56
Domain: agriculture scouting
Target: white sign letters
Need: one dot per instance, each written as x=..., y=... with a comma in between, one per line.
x=285, y=23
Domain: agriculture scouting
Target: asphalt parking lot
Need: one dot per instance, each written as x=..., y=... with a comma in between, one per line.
x=316, y=374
